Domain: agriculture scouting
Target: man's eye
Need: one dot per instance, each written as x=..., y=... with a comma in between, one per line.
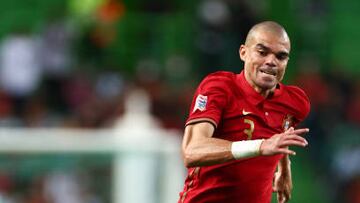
x=262, y=53
x=281, y=57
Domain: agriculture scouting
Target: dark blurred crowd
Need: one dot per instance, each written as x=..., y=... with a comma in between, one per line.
x=334, y=124
x=44, y=85
x=61, y=76
x=57, y=77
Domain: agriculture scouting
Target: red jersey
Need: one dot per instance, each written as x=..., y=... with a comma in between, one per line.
x=240, y=113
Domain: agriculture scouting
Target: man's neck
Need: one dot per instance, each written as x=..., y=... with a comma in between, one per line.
x=267, y=93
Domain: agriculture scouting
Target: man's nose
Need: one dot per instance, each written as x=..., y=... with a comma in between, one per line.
x=271, y=60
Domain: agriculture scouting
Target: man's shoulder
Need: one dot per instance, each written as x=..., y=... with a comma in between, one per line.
x=298, y=98
x=296, y=92
x=220, y=78
x=222, y=81
x=226, y=74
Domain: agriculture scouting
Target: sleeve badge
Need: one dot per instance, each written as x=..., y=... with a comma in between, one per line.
x=200, y=103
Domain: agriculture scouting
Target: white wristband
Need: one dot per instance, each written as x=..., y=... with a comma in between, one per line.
x=246, y=149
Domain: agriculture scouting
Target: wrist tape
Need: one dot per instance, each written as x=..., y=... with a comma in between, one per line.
x=246, y=149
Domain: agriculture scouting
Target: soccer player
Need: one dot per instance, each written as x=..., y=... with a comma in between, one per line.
x=240, y=126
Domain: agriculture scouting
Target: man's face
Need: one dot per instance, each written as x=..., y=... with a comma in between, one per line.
x=265, y=59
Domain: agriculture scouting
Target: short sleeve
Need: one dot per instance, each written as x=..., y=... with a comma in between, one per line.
x=210, y=99
x=301, y=102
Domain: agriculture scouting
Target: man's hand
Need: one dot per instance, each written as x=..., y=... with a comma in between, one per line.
x=282, y=178
x=279, y=143
x=282, y=186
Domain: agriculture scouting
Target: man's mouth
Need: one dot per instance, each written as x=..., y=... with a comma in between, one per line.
x=269, y=72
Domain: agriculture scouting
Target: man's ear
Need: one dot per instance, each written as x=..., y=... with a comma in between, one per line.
x=242, y=52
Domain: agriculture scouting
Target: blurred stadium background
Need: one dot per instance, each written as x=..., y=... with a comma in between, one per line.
x=94, y=93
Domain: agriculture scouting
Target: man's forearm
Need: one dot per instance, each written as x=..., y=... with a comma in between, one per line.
x=284, y=166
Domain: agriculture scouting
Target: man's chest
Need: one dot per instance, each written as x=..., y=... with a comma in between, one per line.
x=242, y=120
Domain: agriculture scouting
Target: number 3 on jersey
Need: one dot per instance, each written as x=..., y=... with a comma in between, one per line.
x=249, y=131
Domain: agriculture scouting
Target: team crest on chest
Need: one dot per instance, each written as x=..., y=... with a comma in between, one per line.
x=288, y=122
x=200, y=103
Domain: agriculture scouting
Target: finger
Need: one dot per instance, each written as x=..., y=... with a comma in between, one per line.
x=287, y=196
x=297, y=131
x=274, y=186
x=288, y=143
x=291, y=129
x=295, y=138
x=280, y=197
x=274, y=189
x=286, y=151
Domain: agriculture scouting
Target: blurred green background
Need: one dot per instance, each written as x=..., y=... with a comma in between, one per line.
x=86, y=55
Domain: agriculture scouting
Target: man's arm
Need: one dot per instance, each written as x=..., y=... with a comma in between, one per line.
x=283, y=180
x=200, y=148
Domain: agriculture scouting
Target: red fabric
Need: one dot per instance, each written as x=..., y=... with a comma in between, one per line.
x=249, y=180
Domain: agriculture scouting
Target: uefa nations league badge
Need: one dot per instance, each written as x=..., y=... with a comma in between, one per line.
x=200, y=103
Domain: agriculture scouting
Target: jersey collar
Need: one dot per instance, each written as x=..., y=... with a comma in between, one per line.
x=253, y=96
